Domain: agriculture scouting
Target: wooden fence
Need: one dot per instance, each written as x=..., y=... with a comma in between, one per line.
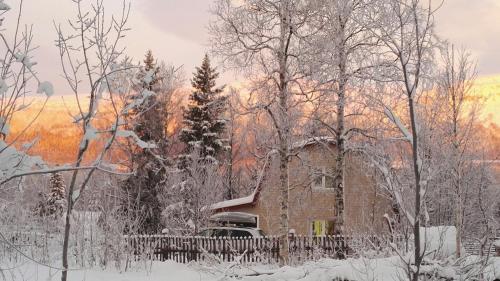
x=249, y=250
x=17, y=245
x=473, y=247
x=184, y=249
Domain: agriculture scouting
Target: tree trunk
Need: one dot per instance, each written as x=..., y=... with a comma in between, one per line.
x=284, y=128
x=416, y=171
x=456, y=160
x=229, y=194
x=69, y=210
x=458, y=222
x=284, y=207
x=340, y=138
x=283, y=133
x=67, y=226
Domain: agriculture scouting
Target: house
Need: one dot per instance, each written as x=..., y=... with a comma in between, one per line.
x=312, y=196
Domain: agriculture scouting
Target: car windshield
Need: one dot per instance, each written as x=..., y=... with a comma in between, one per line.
x=219, y=233
x=240, y=233
x=205, y=233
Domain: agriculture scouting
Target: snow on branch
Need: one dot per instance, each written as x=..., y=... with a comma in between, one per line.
x=13, y=161
x=46, y=88
x=3, y=6
x=395, y=119
x=142, y=144
x=395, y=191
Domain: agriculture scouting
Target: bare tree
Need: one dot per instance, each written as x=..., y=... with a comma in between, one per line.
x=339, y=63
x=89, y=55
x=455, y=86
x=405, y=28
x=266, y=39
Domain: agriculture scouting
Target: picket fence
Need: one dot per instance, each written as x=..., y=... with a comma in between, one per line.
x=185, y=249
x=473, y=247
x=15, y=246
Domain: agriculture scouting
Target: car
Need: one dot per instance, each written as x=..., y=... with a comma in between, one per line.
x=228, y=231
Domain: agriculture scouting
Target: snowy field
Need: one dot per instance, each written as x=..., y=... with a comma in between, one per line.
x=385, y=269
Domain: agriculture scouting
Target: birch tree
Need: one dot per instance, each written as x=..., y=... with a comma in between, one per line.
x=339, y=64
x=264, y=38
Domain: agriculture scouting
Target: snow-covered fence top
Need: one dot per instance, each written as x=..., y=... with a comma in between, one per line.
x=254, y=249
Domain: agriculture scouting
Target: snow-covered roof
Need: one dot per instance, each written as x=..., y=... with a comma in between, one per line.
x=250, y=199
x=312, y=140
x=235, y=202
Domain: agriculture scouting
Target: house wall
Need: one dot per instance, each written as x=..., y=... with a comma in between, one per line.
x=365, y=206
x=365, y=203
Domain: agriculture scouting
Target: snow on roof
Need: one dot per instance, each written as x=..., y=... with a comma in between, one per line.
x=235, y=202
x=312, y=140
x=252, y=198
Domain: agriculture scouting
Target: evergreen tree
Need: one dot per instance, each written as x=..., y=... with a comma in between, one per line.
x=203, y=121
x=41, y=208
x=141, y=203
x=149, y=120
x=55, y=201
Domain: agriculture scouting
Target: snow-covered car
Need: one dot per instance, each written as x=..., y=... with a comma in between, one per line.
x=226, y=231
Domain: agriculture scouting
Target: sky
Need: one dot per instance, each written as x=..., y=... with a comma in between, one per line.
x=175, y=30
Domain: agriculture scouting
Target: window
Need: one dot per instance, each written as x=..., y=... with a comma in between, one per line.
x=322, y=227
x=219, y=233
x=320, y=179
x=240, y=233
x=205, y=233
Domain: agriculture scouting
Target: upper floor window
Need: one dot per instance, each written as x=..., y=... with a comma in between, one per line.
x=321, y=179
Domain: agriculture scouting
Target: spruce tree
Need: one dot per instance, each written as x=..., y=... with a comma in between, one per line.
x=141, y=204
x=55, y=201
x=203, y=121
x=149, y=120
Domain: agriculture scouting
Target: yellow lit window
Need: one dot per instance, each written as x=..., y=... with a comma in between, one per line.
x=322, y=227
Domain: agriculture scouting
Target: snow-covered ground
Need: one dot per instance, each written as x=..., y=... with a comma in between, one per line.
x=385, y=269
x=164, y=271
